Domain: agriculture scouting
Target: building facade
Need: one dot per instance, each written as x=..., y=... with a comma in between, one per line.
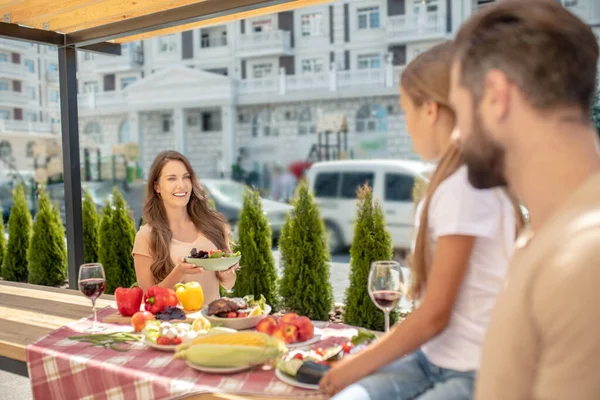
x=250, y=90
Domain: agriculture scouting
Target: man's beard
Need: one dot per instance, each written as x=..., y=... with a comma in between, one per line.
x=483, y=157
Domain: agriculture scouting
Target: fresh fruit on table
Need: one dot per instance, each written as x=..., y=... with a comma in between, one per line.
x=201, y=324
x=256, y=311
x=157, y=298
x=175, y=333
x=139, y=319
x=129, y=300
x=306, y=329
x=232, y=350
x=169, y=313
x=289, y=317
x=286, y=332
x=190, y=295
x=267, y=325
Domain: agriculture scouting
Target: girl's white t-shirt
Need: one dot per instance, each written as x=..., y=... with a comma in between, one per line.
x=457, y=208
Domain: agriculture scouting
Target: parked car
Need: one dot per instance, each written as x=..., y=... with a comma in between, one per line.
x=334, y=184
x=228, y=196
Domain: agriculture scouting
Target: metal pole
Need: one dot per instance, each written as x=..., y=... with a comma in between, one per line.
x=67, y=61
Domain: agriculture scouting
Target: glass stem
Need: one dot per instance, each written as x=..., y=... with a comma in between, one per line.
x=387, y=321
x=94, y=310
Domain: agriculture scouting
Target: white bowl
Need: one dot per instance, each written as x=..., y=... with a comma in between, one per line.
x=214, y=264
x=237, y=323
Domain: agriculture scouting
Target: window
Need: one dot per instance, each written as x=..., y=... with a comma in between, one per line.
x=167, y=43
x=326, y=184
x=53, y=96
x=3, y=58
x=5, y=149
x=4, y=114
x=3, y=85
x=312, y=65
x=30, y=64
x=306, y=124
x=30, y=116
x=93, y=130
x=128, y=80
x=351, y=181
x=262, y=70
x=211, y=121
x=371, y=118
x=30, y=90
x=88, y=56
x=264, y=25
x=90, y=87
x=124, y=132
x=570, y=3
x=369, y=61
x=29, y=150
x=166, y=123
x=398, y=187
x=52, y=67
x=368, y=18
x=310, y=24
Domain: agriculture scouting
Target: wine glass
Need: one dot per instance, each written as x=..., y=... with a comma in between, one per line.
x=92, y=283
x=386, y=287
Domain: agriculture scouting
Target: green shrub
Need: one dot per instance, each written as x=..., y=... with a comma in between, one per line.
x=372, y=242
x=90, y=229
x=14, y=265
x=305, y=286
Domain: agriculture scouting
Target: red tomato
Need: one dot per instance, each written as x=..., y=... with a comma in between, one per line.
x=176, y=341
x=241, y=315
x=232, y=314
x=347, y=347
x=298, y=356
x=163, y=340
x=320, y=351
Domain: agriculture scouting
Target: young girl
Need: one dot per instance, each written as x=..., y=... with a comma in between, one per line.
x=178, y=218
x=463, y=246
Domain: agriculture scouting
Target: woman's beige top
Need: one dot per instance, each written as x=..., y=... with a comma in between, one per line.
x=208, y=279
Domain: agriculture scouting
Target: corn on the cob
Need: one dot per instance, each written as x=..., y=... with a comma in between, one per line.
x=256, y=339
x=228, y=355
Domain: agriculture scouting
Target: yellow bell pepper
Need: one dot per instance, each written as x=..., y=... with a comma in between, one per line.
x=190, y=295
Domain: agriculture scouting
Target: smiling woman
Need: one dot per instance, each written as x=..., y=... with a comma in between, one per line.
x=178, y=219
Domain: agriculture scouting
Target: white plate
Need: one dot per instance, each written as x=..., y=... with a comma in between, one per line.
x=237, y=323
x=293, y=382
x=214, y=264
x=160, y=347
x=218, y=370
x=317, y=336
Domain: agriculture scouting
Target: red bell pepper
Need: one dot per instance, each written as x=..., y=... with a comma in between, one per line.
x=129, y=300
x=157, y=298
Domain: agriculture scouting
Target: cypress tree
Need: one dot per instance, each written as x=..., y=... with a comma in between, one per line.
x=119, y=270
x=90, y=229
x=14, y=265
x=105, y=248
x=372, y=242
x=257, y=274
x=305, y=286
x=47, y=254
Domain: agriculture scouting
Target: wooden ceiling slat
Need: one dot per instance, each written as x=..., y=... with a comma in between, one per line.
x=222, y=20
x=72, y=15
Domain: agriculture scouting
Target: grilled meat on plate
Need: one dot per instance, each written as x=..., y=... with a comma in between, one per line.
x=225, y=305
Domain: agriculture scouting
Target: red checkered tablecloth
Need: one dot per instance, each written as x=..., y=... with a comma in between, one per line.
x=60, y=368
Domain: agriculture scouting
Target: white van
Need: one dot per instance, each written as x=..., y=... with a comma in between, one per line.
x=334, y=185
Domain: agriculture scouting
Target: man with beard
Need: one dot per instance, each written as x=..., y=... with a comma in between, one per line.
x=522, y=82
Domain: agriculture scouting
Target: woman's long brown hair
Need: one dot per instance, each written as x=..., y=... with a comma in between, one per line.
x=427, y=77
x=209, y=222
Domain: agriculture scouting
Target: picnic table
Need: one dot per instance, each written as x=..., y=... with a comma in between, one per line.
x=36, y=321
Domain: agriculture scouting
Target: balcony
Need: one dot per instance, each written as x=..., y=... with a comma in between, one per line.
x=16, y=45
x=14, y=126
x=15, y=71
x=131, y=58
x=13, y=99
x=268, y=43
x=103, y=100
x=425, y=26
x=213, y=47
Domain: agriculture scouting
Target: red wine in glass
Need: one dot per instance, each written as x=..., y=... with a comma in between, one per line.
x=92, y=288
x=92, y=283
x=387, y=299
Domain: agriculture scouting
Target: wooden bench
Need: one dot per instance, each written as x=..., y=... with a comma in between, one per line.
x=29, y=312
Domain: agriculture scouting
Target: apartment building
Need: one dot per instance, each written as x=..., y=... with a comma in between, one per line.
x=254, y=88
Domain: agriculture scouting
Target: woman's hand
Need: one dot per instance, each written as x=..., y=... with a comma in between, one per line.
x=346, y=372
x=184, y=268
x=228, y=272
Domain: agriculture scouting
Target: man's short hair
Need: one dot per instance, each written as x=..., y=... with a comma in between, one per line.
x=549, y=53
